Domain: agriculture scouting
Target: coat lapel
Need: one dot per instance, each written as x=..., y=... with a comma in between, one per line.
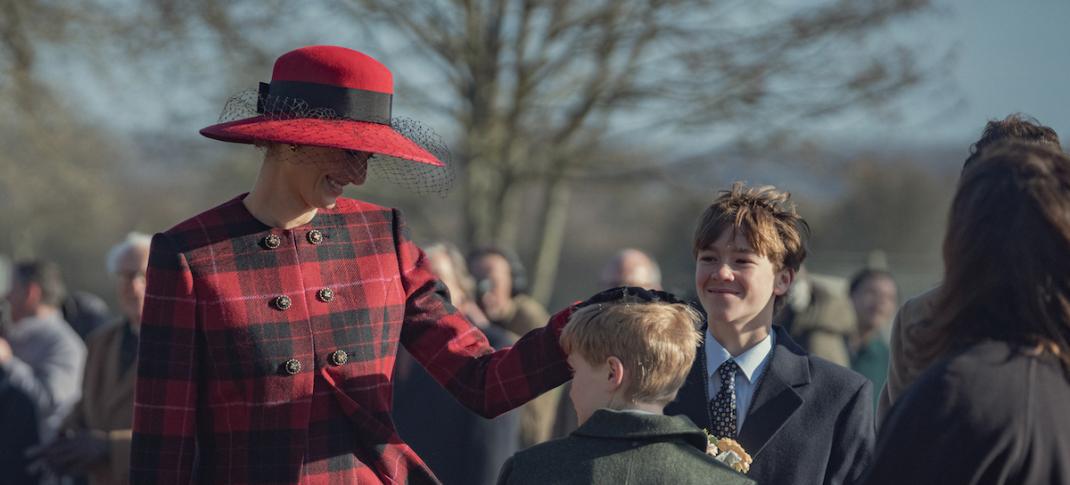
x=691, y=399
x=776, y=399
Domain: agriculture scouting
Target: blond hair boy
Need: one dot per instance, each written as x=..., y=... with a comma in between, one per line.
x=629, y=357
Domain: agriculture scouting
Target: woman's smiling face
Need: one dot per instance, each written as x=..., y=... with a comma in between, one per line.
x=318, y=175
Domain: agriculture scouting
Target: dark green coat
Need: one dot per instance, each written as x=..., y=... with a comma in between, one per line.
x=622, y=448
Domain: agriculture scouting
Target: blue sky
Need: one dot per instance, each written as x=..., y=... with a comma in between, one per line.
x=1011, y=57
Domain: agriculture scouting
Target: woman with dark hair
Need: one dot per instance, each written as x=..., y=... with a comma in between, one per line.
x=993, y=409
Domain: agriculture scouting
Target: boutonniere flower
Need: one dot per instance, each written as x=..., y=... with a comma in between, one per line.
x=729, y=452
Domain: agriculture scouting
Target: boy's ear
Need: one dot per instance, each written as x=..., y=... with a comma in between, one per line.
x=783, y=281
x=615, y=375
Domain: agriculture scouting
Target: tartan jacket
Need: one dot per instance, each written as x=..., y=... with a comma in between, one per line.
x=266, y=355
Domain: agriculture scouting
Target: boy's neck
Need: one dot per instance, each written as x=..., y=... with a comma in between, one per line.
x=739, y=338
x=652, y=408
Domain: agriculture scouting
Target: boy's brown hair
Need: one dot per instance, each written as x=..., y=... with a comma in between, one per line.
x=656, y=342
x=767, y=219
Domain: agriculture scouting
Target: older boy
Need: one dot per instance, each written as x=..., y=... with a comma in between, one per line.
x=801, y=418
x=628, y=357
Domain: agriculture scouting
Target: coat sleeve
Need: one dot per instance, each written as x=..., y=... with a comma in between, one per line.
x=165, y=396
x=852, y=448
x=894, y=384
x=507, y=471
x=457, y=354
x=902, y=363
x=118, y=454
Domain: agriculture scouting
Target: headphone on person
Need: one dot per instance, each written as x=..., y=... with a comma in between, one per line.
x=516, y=268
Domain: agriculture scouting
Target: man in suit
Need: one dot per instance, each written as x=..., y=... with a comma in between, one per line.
x=272, y=322
x=96, y=440
x=801, y=418
x=629, y=353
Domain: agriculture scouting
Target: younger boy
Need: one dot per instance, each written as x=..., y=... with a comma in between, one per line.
x=801, y=418
x=628, y=357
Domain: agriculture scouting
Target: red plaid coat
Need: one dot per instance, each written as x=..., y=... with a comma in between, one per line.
x=240, y=378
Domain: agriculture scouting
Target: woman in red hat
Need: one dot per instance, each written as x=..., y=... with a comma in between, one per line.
x=271, y=322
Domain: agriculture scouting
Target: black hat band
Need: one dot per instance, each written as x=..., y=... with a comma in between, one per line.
x=348, y=103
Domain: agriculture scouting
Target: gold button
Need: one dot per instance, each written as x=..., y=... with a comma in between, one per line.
x=325, y=295
x=282, y=302
x=292, y=366
x=339, y=357
x=272, y=241
x=315, y=237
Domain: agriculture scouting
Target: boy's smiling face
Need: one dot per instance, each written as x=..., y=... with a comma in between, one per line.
x=735, y=284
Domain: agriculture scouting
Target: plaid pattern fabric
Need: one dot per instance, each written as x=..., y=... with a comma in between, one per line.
x=219, y=397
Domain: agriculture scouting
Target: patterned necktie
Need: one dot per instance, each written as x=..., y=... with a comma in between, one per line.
x=723, y=405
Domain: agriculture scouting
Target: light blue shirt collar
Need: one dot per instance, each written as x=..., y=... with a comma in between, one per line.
x=750, y=361
x=753, y=363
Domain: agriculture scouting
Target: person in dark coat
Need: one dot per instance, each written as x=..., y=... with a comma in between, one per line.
x=85, y=312
x=19, y=424
x=802, y=419
x=461, y=447
x=501, y=293
x=993, y=408
x=906, y=359
x=629, y=353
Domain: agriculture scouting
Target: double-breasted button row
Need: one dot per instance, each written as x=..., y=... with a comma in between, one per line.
x=273, y=241
x=292, y=366
x=338, y=357
x=282, y=302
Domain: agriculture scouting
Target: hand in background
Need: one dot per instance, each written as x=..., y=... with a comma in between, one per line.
x=72, y=453
x=5, y=351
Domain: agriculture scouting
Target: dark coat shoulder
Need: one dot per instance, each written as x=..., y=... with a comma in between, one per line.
x=990, y=414
x=622, y=447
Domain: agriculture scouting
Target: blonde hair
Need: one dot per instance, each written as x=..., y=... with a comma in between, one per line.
x=655, y=341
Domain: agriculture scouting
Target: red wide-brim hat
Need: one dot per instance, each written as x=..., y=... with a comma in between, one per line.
x=324, y=96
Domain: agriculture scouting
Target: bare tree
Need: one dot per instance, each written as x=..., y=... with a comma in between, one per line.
x=534, y=86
